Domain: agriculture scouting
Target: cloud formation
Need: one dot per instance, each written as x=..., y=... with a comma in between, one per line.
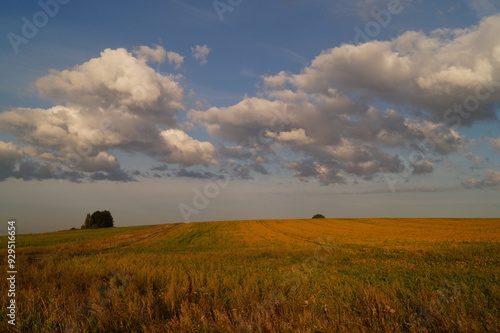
x=435, y=82
x=114, y=101
x=117, y=80
x=157, y=54
x=454, y=75
x=200, y=53
x=175, y=58
x=320, y=123
x=335, y=136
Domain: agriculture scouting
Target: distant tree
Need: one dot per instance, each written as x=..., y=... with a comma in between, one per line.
x=318, y=216
x=98, y=220
x=88, y=224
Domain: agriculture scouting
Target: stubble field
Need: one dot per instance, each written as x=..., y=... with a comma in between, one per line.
x=310, y=275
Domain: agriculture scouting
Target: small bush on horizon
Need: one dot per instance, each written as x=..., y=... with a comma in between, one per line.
x=318, y=216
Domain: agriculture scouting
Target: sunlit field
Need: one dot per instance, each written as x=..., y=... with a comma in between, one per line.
x=310, y=275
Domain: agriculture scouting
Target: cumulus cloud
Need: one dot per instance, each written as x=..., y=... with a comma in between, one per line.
x=181, y=148
x=318, y=123
x=116, y=79
x=452, y=74
x=157, y=54
x=449, y=77
x=114, y=101
x=242, y=120
x=15, y=162
x=295, y=136
x=336, y=136
x=175, y=58
x=325, y=173
x=101, y=162
x=200, y=53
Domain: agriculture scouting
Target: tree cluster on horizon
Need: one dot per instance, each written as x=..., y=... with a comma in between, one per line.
x=98, y=220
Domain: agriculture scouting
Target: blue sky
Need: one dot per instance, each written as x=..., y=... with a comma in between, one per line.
x=192, y=111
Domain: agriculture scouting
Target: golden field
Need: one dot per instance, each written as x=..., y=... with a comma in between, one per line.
x=309, y=275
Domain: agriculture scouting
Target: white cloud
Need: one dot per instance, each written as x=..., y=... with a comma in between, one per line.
x=101, y=162
x=322, y=115
x=431, y=72
x=115, y=101
x=330, y=130
x=116, y=79
x=276, y=81
x=241, y=120
x=200, y=53
x=175, y=58
x=157, y=54
x=181, y=148
x=9, y=151
x=295, y=135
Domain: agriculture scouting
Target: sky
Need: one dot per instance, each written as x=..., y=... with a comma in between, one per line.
x=184, y=111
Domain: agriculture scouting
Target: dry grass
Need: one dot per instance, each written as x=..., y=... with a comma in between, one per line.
x=350, y=275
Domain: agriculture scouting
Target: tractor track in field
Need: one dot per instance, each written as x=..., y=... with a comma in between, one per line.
x=296, y=237
x=153, y=235
x=104, y=245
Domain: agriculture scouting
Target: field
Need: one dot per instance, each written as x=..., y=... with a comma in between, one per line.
x=321, y=275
